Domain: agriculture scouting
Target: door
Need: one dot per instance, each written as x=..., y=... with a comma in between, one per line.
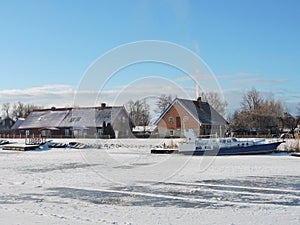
x=178, y=122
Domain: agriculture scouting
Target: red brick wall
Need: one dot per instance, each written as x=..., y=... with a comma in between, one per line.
x=164, y=126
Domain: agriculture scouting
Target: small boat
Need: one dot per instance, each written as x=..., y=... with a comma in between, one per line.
x=230, y=146
x=162, y=150
x=296, y=154
x=165, y=149
x=4, y=142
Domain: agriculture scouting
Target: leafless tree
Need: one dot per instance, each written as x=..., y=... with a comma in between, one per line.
x=251, y=100
x=139, y=112
x=216, y=101
x=259, y=113
x=21, y=110
x=6, y=108
x=163, y=102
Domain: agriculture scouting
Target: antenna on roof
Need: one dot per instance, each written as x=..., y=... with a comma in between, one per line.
x=197, y=90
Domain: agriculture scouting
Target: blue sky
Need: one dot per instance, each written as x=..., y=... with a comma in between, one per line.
x=46, y=46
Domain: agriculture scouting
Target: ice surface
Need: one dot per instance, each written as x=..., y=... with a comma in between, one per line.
x=125, y=184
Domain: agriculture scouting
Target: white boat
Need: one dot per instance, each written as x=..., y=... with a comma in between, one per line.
x=229, y=146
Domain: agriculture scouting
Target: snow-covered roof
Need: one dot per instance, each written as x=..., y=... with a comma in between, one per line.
x=71, y=117
x=43, y=119
x=18, y=123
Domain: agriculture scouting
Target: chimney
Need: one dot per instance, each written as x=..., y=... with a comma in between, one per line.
x=103, y=105
x=199, y=101
x=197, y=89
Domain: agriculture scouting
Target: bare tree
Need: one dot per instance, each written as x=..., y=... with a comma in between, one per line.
x=139, y=112
x=21, y=110
x=6, y=108
x=216, y=101
x=251, y=100
x=163, y=102
x=259, y=113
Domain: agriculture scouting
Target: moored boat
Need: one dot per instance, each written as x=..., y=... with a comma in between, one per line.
x=230, y=146
x=161, y=150
x=165, y=149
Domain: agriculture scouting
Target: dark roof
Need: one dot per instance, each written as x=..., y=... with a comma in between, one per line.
x=6, y=123
x=202, y=112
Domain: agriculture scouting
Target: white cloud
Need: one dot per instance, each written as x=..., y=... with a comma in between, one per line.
x=198, y=76
x=260, y=81
x=47, y=95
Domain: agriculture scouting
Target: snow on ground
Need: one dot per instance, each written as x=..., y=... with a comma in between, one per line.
x=124, y=184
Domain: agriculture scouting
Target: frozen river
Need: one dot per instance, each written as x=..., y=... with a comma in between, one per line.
x=131, y=186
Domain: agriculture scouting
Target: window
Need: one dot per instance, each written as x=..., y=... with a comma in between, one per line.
x=185, y=119
x=99, y=131
x=171, y=120
x=43, y=133
x=75, y=119
x=171, y=132
x=67, y=132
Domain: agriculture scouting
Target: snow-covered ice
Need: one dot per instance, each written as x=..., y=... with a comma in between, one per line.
x=125, y=184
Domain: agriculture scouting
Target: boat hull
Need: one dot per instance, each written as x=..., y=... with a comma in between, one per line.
x=247, y=150
x=163, y=151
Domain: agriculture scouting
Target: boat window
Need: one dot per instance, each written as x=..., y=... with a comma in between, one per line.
x=234, y=139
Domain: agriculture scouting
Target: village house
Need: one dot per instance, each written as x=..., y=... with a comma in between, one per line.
x=90, y=122
x=5, y=125
x=184, y=114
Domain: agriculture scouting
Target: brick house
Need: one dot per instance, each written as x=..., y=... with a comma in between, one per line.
x=87, y=122
x=184, y=114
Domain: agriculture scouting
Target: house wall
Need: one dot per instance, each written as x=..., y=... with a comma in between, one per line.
x=186, y=122
x=165, y=126
x=122, y=125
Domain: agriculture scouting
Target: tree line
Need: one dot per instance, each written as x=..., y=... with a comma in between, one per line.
x=255, y=112
x=260, y=114
x=18, y=110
